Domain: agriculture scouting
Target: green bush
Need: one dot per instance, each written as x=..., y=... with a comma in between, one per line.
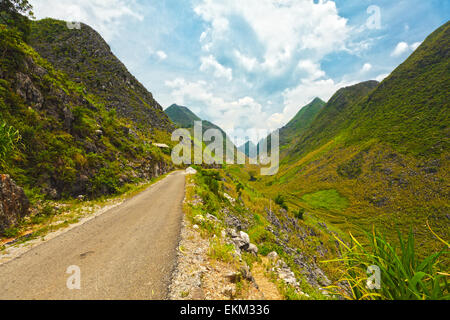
x=259, y=234
x=279, y=200
x=239, y=188
x=211, y=178
x=299, y=214
x=267, y=247
x=221, y=251
x=351, y=169
x=11, y=232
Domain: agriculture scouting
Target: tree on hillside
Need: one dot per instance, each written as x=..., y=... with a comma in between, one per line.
x=16, y=14
x=16, y=7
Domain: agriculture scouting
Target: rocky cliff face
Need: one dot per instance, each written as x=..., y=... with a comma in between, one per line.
x=13, y=202
x=87, y=58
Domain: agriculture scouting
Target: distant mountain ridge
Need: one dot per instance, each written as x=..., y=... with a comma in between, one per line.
x=183, y=117
x=290, y=133
x=246, y=147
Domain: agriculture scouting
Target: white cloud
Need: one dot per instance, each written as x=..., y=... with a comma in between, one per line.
x=105, y=16
x=269, y=40
x=415, y=45
x=246, y=62
x=366, y=67
x=230, y=115
x=210, y=64
x=234, y=116
x=161, y=55
x=400, y=49
x=312, y=69
x=283, y=27
x=404, y=47
x=158, y=55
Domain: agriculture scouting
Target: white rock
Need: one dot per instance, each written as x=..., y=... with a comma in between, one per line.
x=190, y=170
x=232, y=233
x=244, y=237
x=252, y=249
x=211, y=217
x=273, y=256
x=230, y=198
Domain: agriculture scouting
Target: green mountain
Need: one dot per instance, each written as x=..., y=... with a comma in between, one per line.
x=86, y=125
x=408, y=110
x=377, y=154
x=183, y=117
x=331, y=118
x=289, y=134
x=300, y=123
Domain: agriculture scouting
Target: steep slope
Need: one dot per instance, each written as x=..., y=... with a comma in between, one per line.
x=291, y=132
x=378, y=154
x=87, y=58
x=301, y=121
x=72, y=141
x=335, y=116
x=410, y=109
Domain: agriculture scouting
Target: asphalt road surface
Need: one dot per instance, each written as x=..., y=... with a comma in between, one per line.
x=128, y=252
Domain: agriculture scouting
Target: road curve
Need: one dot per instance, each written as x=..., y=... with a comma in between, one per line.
x=128, y=252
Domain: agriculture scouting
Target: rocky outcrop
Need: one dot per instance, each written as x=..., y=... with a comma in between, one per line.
x=14, y=203
x=241, y=241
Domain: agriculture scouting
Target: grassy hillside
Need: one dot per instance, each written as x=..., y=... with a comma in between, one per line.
x=300, y=123
x=377, y=154
x=410, y=109
x=334, y=117
x=71, y=140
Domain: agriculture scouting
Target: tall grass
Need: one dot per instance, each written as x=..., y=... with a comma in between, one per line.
x=404, y=276
x=8, y=139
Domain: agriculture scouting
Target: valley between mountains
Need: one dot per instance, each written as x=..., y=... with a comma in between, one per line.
x=87, y=180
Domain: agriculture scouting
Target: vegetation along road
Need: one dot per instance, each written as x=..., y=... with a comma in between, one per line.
x=126, y=253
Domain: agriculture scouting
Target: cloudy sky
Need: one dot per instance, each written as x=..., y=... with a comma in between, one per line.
x=253, y=63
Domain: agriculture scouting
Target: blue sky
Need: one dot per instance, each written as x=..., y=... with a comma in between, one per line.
x=254, y=63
